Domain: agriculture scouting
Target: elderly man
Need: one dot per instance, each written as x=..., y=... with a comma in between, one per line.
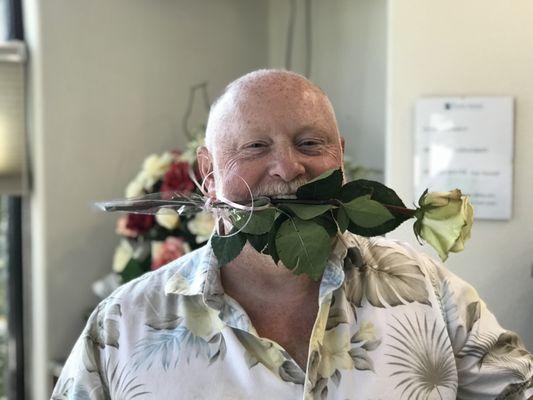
x=384, y=322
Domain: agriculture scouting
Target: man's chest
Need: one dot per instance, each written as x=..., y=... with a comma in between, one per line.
x=289, y=327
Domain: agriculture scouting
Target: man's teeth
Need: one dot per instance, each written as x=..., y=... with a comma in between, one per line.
x=284, y=196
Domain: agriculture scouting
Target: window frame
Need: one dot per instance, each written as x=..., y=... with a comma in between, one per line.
x=15, y=379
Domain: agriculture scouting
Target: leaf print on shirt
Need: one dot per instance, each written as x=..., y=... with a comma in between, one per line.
x=264, y=351
x=201, y=320
x=509, y=352
x=320, y=390
x=122, y=384
x=88, y=355
x=365, y=339
x=186, y=328
x=387, y=277
x=168, y=345
x=290, y=372
x=514, y=391
x=63, y=389
x=79, y=393
x=461, y=310
x=105, y=332
x=334, y=352
x=420, y=353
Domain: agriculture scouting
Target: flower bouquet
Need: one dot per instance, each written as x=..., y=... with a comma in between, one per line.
x=149, y=241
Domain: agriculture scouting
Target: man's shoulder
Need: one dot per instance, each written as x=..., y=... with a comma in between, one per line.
x=392, y=255
x=153, y=285
x=160, y=276
x=381, y=246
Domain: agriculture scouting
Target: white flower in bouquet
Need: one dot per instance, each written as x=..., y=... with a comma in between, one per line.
x=135, y=188
x=189, y=155
x=202, y=226
x=168, y=218
x=123, y=254
x=154, y=167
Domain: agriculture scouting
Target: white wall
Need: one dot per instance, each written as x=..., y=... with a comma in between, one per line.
x=348, y=63
x=477, y=47
x=109, y=82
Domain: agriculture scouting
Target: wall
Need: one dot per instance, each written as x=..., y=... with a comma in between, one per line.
x=453, y=47
x=108, y=85
x=348, y=62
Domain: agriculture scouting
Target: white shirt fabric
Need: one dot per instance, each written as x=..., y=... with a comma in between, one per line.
x=392, y=324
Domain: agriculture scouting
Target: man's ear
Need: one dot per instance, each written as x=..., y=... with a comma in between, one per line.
x=205, y=166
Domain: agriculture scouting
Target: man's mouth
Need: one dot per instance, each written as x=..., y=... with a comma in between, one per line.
x=283, y=196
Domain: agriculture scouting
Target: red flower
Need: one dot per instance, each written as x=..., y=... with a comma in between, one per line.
x=177, y=178
x=139, y=223
x=170, y=249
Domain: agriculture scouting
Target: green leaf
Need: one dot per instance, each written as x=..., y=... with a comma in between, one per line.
x=326, y=221
x=367, y=213
x=308, y=211
x=354, y=189
x=422, y=197
x=258, y=242
x=271, y=248
x=324, y=187
x=227, y=248
x=342, y=219
x=260, y=221
x=380, y=193
x=134, y=268
x=303, y=247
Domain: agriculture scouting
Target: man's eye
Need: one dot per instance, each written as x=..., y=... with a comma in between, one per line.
x=309, y=143
x=256, y=145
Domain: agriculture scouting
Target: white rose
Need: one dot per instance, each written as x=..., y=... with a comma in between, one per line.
x=168, y=218
x=202, y=226
x=145, y=180
x=154, y=167
x=134, y=189
x=122, y=256
x=445, y=220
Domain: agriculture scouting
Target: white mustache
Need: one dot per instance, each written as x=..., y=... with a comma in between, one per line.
x=278, y=188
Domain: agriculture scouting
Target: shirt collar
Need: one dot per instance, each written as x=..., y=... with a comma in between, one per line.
x=199, y=273
x=192, y=271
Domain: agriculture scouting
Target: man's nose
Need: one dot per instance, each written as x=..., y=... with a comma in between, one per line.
x=286, y=165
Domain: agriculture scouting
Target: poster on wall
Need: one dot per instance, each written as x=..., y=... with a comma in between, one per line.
x=467, y=143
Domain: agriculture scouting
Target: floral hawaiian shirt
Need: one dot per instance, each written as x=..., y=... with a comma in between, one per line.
x=392, y=324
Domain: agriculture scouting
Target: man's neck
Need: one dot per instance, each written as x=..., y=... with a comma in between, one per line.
x=255, y=274
x=281, y=306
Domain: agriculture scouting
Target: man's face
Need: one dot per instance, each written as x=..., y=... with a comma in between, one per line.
x=275, y=139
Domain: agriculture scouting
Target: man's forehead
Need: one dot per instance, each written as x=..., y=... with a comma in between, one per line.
x=259, y=100
x=260, y=117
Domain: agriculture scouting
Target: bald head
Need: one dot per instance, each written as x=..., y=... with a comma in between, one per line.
x=268, y=133
x=262, y=88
